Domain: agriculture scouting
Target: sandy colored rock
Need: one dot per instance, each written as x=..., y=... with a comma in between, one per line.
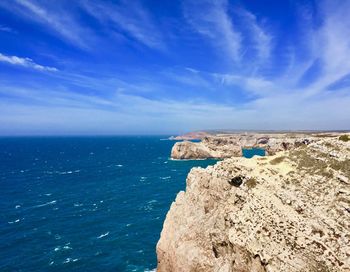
x=291, y=213
x=230, y=145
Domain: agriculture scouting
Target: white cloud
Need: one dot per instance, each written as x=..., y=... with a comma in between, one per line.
x=211, y=19
x=127, y=16
x=261, y=39
x=63, y=111
x=53, y=16
x=26, y=62
x=6, y=29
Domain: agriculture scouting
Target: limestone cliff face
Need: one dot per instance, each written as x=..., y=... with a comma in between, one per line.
x=190, y=150
x=287, y=212
x=230, y=145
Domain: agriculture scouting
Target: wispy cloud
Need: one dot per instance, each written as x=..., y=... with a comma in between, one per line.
x=262, y=40
x=211, y=19
x=54, y=17
x=26, y=62
x=128, y=18
x=6, y=29
x=186, y=90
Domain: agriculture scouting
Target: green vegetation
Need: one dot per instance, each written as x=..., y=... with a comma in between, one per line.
x=316, y=163
x=277, y=160
x=324, y=135
x=344, y=138
x=251, y=183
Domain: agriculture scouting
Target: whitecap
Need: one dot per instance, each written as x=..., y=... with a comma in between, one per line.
x=51, y=263
x=68, y=260
x=168, y=177
x=46, y=204
x=57, y=248
x=78, y=204
x=16, y=221
x=67, y=247
x=103, y=235
x=165, y=162
x=48, y=194
x=119, y=165
x=18, y=206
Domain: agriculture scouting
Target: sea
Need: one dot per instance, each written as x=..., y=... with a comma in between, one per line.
x=86, y=203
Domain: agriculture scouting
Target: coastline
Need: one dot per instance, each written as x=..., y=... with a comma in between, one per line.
x=207, y=226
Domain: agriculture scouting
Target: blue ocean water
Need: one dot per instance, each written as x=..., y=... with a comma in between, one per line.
x=85, y=203
x=251, y=152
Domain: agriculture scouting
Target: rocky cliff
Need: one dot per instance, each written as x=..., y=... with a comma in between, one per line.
x=230, y=145
x=286, y=212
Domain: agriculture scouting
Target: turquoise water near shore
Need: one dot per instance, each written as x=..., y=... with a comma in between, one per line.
x=251, y=152
x=85, y=203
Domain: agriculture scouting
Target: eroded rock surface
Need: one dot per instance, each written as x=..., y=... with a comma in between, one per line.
x=286, y=212
x=230, y=145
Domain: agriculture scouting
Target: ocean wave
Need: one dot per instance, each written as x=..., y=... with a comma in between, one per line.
x=46, y=204
x=168, y=177
x=103, y=235
x=64, y=172
x=68, y=260
x=16, y=221
x=172, y=159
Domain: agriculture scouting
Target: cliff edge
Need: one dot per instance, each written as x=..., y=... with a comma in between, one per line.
x=286, y=212
x=230, y=145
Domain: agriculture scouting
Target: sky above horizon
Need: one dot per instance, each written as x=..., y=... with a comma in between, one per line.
x=150, y=67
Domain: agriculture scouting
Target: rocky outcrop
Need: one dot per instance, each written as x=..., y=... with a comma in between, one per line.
x=197, y=135
x=285, y=212
x=189, y=150
x=230, y=145
x=194, y=150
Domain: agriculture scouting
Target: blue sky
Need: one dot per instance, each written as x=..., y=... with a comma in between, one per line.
x=145, y=67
